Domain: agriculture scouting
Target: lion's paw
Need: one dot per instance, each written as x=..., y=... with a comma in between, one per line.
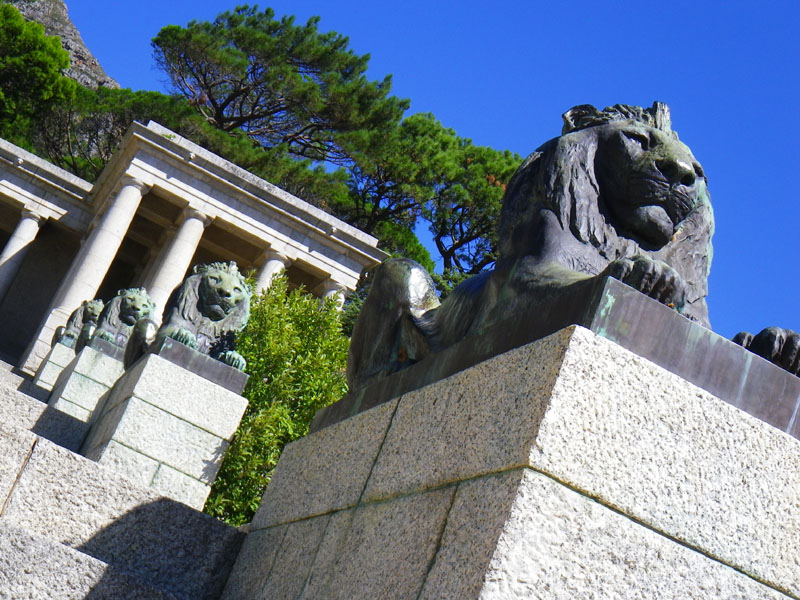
x=779, y=346
x=184, y=336
x=103, y=335
x=651, y=277
x=233, y=358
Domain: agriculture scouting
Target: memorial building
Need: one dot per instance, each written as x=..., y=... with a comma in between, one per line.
x=161, y=205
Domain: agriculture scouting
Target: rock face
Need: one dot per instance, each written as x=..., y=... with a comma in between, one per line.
x=85, y=69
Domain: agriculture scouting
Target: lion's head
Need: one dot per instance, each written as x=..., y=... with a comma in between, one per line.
x=92, y=310
x=88, y=312
x=222, y=289
x=212, y=302
x=621, y=184
x=122, y=312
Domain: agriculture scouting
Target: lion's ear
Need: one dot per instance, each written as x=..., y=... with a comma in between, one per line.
x=576, y=116
x=661, y=117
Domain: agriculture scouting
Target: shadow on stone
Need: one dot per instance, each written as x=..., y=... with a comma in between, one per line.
x=61, y=428
x=168, y=545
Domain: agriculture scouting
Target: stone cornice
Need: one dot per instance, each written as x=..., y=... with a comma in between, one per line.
x=320, y=222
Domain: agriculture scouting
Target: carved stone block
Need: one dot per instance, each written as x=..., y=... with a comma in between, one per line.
x=567, y=466
x=166, y=416
x=83, y=382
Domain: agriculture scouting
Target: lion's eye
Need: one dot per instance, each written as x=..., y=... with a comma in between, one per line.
x=640, y=138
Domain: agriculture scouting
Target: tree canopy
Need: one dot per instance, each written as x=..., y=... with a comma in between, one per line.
x=31, y=80
x=281, y=83
x=465, y=208
x=290, y=104
x=421, y=170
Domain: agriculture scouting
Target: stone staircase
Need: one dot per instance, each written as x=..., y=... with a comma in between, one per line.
x=71, y=528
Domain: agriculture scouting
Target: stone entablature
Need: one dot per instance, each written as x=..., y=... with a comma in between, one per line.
x=183, y=172
x=162, y=204
x=28, y=182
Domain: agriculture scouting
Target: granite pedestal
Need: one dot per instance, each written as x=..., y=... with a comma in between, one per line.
x=566, y=468
x=619, y=313
x=85, y=380
x=56, y=360
x=166, y=427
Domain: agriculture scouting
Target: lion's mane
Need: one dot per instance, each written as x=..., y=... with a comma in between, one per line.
x=184, y=308
x=110, y=320
x=560, y=177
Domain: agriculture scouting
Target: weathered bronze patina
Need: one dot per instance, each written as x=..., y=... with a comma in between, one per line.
x=204, y=313
x=119, y=316
x=81, y=322
x=617, y=194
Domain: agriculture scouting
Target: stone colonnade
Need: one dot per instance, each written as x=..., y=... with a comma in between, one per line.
x=139, y=197
x=175, y=256
x=331, y=289
x=100, y=248
x=273, y=263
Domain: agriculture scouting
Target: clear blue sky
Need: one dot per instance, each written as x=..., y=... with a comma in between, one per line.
x=501, y=73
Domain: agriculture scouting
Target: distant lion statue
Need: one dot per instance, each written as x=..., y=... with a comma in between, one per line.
x=119, y=315
x=617, y=194
x=85, y=316
x=204, y=313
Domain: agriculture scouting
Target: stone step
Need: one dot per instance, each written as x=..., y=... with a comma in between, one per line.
x=14, y=381
x=33, y=567
x=52, y=492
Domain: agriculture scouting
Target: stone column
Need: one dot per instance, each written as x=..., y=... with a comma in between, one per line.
x=273, y=263
x=89, y=267
x=330, y=289
x=175, y=258
x=154, y=256
x=100, y=248
x=16, y=248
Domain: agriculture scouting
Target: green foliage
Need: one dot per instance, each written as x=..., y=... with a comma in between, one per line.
x=296, y=354
x=80, y=134
x=465, y=208
x=30, y=74
x=280, y=83
x=394, y=171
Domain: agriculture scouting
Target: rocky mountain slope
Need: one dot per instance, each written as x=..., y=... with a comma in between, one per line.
x=53, y=14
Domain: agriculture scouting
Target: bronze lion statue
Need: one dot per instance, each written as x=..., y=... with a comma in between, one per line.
x=617, y=194
x=204, y=313
x=119, y=315
x=83, y=318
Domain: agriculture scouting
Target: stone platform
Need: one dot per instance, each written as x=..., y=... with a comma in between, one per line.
x=58, y=357
x=72, y=529
x=566, y=468
x=166, y=427
x=619, y=313
x=85, y=380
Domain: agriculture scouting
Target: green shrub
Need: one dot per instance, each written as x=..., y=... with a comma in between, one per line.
x=296, y=356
